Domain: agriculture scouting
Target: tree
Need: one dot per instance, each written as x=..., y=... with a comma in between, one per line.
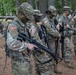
x=36, y=4
x=2, y=9
x=66, y=2
x=73, y=5
x=42, y=6
x=51, y=2
x=59, y=5
x=63, y=3
x=9, y=7
x=31, y=2
x=18, y=2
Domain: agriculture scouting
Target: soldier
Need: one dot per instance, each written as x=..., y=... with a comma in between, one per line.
x=74, y=36
x=67, y=33
x=52, y=31
x=20, y=58
x=40, y=58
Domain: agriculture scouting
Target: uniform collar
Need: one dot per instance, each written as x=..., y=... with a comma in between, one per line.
x=21, y=23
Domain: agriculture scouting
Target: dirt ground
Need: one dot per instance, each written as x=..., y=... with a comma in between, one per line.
x=8, y=71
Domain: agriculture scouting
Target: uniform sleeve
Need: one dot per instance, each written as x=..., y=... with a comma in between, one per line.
x=70, y=32
x=35, y=34
x=12, y=41
x=50, y=30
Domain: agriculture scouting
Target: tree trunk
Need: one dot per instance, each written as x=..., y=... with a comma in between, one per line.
x=66, y=2
x=27, y=0
x=42, y=6
x=51, y=2
x=73, y=5
x=31, y=2
x=36, y=4
x=18, y=2
x=63, y=3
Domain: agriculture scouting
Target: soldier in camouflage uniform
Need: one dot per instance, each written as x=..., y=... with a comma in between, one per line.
x=43, y=69
x=52, y=31
x=67, y=33
x=20, y=59
x=74, y=36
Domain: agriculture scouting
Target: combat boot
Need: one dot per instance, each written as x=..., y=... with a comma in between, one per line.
x=56, y=70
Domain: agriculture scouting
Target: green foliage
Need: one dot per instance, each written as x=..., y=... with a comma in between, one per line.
x=1, y=9
x=8, y=7
x=58, y=4
x=24, y=1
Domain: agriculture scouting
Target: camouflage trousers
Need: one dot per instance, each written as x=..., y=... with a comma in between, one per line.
x=21, y=67
x=24, y=68
x=55, y=46
x=67, y=50
x=46, y=69
x=74, y=41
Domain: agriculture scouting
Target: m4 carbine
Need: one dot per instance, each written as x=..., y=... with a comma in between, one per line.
x=23, y=36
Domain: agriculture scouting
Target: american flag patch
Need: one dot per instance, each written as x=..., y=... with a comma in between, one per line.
x=13, y=28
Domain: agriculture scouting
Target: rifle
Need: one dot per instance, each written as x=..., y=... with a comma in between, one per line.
x=40, y=47
x=62, y=39
x=62, y=36
x=45, y=36
x=44, y=31
x=70, y=20
x=73, y=15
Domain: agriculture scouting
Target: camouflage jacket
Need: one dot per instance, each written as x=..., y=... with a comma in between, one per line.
x=51, y=29
x=66, y=21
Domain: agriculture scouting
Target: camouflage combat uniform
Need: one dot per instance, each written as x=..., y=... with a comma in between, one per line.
x=53, y=35
x=41, y=57
x=52, y=31
x=74, y=36
x=20, y=62
x=67, y=43
x=74, y=40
